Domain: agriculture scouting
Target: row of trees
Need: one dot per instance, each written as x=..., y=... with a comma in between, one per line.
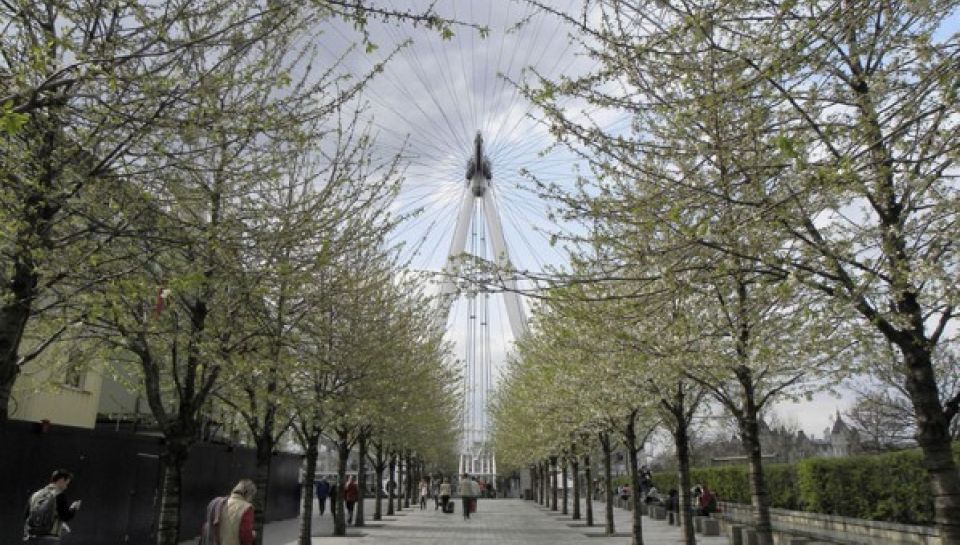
x=190, y=196
x=780, y=213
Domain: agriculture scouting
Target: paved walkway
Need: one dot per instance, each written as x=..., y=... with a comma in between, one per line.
x=501, y=521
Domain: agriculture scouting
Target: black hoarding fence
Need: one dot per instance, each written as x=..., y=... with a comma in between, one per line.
x=117, y=476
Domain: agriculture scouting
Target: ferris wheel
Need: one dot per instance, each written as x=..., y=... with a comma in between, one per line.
x=471, y=144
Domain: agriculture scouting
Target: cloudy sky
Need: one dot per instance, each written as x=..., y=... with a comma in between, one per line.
x=430, y=101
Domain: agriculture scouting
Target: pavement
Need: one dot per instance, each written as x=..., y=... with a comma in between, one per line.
x=500, y=521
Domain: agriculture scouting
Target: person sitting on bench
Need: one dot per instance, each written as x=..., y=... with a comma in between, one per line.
x=707, y=502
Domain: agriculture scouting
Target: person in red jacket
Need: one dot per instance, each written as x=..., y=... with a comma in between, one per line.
x=707, y=503
x=351, y=493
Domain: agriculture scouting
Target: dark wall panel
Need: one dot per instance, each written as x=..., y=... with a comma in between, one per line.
x=117, y=476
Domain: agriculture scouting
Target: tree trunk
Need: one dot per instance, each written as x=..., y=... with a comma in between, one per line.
x=533, y=483
x=13, y=320
x=607, y=482
x=553, y=483
x=408, y=482
x=168, y=522
x=750, y=433
x=19, y=294
x=379, y=465
x=339, y=516
x=545, y=471
x=682, y=440
x=566, y=494
x=391, y=490
x=306, y=492
x=542, y=483
x=400, y=482
x=264, y=457
x=588, y=475
x=630, y=437
x=575, y=470
x=933, y=436
x=361, y=479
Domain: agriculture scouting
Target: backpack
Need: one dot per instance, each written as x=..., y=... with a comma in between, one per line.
x=210, y=531
x=42, y=517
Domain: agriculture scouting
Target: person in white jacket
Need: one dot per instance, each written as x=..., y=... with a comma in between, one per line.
x=467, y=494
x=445, y=493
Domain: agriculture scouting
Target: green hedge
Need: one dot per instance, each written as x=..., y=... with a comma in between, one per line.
x=732, y=483
x=890, y=487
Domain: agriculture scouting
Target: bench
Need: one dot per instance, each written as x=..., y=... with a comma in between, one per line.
x=657, y=512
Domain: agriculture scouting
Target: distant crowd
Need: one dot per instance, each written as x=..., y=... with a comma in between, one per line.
x=703, y=500
x=438, y=488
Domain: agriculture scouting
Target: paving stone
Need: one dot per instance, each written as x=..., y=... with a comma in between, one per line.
x=496, y=522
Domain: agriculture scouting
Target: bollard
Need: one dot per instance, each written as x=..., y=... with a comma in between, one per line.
x=734, y=534
x=711, y=527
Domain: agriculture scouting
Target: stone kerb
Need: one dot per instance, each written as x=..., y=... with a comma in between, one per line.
x=836, y=528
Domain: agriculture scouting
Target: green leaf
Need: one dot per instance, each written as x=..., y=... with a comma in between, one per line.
x=10, y=121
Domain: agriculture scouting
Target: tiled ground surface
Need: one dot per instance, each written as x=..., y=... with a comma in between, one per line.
x=496, y=522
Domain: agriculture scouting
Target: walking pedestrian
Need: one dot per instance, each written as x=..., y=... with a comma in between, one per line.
x=445, y=493
x=48, y=511
x=466, y=494
x=351, y=493
x=424, y=492
x=323, y=492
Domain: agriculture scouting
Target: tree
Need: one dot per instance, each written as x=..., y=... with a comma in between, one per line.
x=571, y=355
x=313, y=214
x=83, y=86
x=883, y=414
x=882, y=420
x=184, y=312
x=835, y=130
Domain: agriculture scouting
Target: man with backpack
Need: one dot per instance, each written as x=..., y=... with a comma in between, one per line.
x=48, y=509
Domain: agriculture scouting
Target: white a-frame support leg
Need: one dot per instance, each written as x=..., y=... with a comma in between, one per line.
x=515, y=313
